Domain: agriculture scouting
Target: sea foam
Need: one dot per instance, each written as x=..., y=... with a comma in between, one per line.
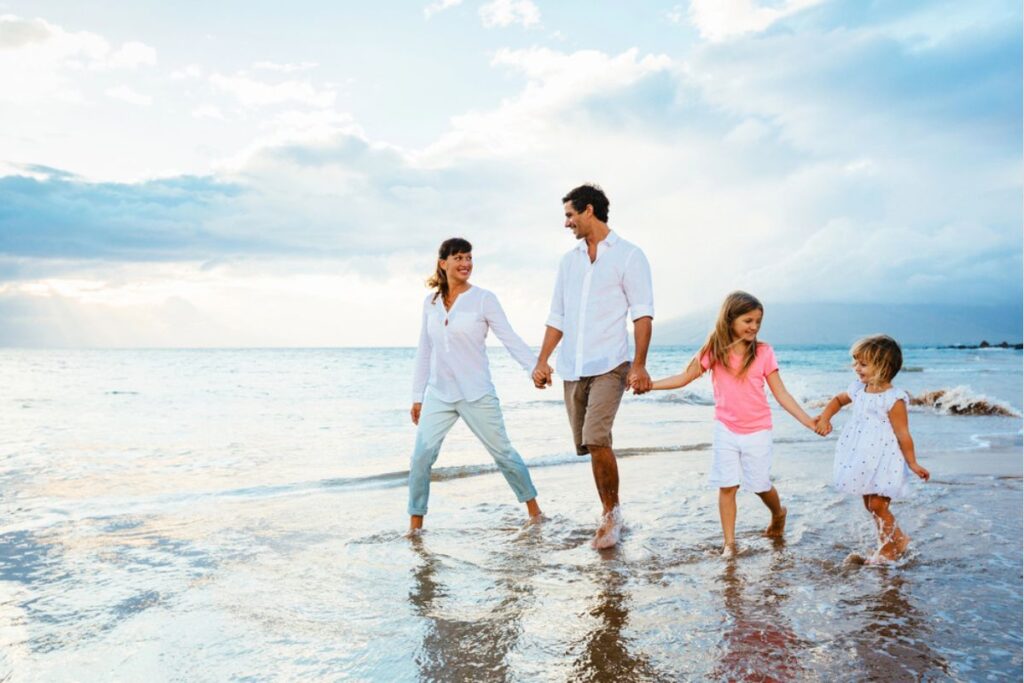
x=961, y=400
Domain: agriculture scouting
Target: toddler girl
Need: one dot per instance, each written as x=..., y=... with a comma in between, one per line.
x=875, y=454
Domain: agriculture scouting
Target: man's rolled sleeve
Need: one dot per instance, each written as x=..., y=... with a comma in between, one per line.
x=639, y=289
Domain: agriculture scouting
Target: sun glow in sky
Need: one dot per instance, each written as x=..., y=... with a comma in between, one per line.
x=258, y=174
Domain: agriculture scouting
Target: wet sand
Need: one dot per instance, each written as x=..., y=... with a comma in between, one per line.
x=325, y=584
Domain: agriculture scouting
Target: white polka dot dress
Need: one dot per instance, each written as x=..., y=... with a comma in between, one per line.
x=868, y=457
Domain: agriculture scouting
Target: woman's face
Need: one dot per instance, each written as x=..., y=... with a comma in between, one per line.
x=458, y=267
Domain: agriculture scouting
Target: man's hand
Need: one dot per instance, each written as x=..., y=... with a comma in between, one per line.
x=542, y=375
x=414, y=412
x=638, y=379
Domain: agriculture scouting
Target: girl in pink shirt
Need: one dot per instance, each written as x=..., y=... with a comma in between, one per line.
x=740, y=366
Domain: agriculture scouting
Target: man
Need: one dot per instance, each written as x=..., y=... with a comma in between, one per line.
x=599, y=281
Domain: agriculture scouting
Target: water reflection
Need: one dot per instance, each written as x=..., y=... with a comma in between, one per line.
x=758, y=644
x=455, y=649
x=607, y=654
x=893, y=643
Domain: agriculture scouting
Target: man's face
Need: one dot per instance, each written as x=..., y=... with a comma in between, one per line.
x=578, y=222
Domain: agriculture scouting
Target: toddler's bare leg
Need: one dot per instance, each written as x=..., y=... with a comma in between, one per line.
x=892, y=542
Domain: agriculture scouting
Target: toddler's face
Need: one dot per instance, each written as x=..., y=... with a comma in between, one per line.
x=866, y=372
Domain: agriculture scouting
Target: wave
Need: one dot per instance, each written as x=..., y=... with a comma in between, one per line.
x=691, y=398
x=961, y=400
x=999, y=441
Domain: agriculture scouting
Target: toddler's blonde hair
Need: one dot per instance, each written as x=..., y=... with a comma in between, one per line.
x=881, y=351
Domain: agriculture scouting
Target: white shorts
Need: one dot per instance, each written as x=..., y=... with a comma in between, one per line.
x=741, y=459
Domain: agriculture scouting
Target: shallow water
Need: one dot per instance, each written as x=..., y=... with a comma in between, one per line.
x=239, y=514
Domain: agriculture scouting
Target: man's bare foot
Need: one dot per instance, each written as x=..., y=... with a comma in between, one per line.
x=778, y=525
x=607, y=535
x=729, y=551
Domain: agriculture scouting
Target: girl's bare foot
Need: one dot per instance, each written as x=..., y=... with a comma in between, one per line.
x=729, y=551
x=778, y=524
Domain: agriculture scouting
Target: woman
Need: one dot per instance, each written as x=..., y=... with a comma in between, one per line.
x=453, y=379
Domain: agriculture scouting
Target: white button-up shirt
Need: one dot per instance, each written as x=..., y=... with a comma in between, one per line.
x=590, y=303
x=452, y=358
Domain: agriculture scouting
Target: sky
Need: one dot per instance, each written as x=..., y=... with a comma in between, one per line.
x=269, y=174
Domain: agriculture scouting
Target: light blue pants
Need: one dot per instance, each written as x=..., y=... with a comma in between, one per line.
x=483, y=417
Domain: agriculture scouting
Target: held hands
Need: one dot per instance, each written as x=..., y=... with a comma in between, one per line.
x=638, y=380
x=822, y=426
x=542, y=375
x=919, y=471
x=414, y=412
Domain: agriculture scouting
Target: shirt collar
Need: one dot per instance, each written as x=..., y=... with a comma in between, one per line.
x=610, y=241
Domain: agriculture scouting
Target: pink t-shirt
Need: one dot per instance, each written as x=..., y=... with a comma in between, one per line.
x=740, y=402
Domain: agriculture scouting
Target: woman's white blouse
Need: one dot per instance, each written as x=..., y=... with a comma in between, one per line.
x=452, y=358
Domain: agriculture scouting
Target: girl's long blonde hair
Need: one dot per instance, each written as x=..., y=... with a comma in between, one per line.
x=720, y=342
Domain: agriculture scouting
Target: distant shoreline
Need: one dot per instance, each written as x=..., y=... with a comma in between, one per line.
x=985, y=345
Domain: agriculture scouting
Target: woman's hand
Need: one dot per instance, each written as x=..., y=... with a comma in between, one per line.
x=920, y=471
x=414, y=412
x=542, y=375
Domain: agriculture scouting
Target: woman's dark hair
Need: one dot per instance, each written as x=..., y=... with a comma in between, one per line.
x=589, y=194
x=450, y=247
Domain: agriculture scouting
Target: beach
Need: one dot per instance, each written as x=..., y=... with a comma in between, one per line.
x=240, y=515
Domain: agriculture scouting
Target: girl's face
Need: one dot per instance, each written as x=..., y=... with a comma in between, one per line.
x=458, y=268
x=866, y=372
x=746, y=325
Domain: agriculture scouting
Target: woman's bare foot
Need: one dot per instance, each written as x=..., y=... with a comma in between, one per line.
x=778, y=524
x=729, y=551
x=415, y=525
x=607, y=535
x=535, y=520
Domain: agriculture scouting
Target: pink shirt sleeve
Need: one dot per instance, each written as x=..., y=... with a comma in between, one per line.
x=769, y=363
x=705, y=360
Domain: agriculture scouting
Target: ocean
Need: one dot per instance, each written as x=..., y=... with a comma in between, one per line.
x=240, y=514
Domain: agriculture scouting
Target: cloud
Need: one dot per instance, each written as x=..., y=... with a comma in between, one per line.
x=15, y=33
x=255, y=93
x=500, y=13
x=126, y=94
x=285, y=68
x=719, y=20
x=131, y=55
x=439, y=6
x=192, y=71
x=39, y=60
x=62, y=217
x=208, y=111
x=556, y=83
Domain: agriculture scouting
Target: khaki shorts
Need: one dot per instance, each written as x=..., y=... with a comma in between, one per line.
x=592, y=403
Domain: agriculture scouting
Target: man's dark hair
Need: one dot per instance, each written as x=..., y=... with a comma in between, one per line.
x=589, y=194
